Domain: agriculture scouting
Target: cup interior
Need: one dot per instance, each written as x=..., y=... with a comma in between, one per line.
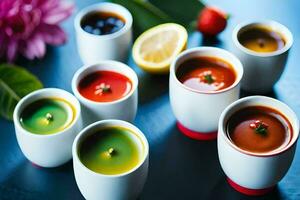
x=42, y=94
x=113, y=66
x=208, y=52
x=105, y=7
x=137, y=136
x=272, y=25
x=260, y=101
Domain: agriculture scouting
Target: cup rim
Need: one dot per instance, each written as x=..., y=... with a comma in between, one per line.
x=203, y=49
x=103, y=123
x=75, y=81
x=283, y=30
x=95, y=7
x=295, y=134
x=77, y=108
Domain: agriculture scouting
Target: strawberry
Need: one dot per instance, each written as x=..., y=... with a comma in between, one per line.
x=211, y=21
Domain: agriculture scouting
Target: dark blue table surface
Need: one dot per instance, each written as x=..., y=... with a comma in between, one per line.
x=180, y=168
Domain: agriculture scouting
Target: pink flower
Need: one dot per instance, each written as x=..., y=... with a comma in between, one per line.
x=26, y=26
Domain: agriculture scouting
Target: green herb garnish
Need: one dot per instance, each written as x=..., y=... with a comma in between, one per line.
x=261, y=129
x=208, y=78
x=102, y=88
x=106, y=89
x=49, y=117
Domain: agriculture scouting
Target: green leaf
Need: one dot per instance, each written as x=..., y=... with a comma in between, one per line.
x=147, y=14
x=183, y=12
x=15, y=83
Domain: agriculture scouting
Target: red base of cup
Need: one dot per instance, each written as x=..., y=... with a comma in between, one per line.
x=196, y=135
x=248, y=191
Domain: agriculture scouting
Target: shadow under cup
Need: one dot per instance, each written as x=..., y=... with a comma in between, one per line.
x=255, y=173
x=197, y=112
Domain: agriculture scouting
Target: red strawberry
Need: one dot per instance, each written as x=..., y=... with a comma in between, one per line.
x=211, y=21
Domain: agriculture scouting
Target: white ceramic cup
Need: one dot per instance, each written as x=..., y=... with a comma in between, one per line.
x=197, y=112
x=255, y=173
x=124, y=108
x=261, y=70
x=47, y=150
x=94, y=48
x=128, y=185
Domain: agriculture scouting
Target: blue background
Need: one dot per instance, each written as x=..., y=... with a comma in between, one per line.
x=180, y=168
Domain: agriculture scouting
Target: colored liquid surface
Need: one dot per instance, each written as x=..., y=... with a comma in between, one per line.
x=244, y=131
x=102, y=23
x=261, y=39
x=104, y=86
x=47, y=116
x=206, y=74
x=112, y=150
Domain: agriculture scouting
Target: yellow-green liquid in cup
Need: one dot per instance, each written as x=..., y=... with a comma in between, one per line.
x=111, y=150
x=47, y=116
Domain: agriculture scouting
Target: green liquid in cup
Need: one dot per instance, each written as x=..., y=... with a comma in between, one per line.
x=111, y=150
x=47, y=116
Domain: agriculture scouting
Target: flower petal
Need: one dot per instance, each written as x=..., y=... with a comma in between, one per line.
x=5, y=7
x=12, y=48
x=33, y=19
x=52, y=34
x=47, y=5
x=39, y=46
x=34, y=48
x=57, y=15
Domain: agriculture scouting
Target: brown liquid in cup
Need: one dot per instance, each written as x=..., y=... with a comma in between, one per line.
x=261, y=39
x=245, y=129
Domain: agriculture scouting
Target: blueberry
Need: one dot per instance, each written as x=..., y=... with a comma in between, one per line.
x=100, y=23
x=88, y=29
x=119, y=23
x=110, y=21
x=97, y=31
x=114, y=29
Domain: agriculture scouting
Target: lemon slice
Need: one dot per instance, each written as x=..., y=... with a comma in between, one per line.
x=155, y=49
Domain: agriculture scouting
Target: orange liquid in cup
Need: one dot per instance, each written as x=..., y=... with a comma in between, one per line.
x=105, y=86
x=248, y=135
x=206, y=74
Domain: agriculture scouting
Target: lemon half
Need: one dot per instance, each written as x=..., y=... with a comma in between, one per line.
x=155, y=49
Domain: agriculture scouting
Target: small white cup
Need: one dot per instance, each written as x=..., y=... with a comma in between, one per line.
x=255, y=173
x=262, y=70
x=197, y=112
x=93, y=185
x=94, y=48
x=47, y=150
x=122, y=109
